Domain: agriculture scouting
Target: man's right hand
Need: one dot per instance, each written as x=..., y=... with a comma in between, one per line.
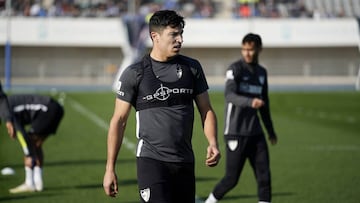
x=10, y=129
x=110, y=184
x=257, y=103
x=212, y=156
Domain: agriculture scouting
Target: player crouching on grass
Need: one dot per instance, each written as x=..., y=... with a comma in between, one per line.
x=42, y=114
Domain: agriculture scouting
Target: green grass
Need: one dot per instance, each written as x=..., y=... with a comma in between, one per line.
x=316, y=158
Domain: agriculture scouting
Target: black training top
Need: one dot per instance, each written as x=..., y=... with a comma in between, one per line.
x=162, y=94
x=26, y=106
x=243, y=83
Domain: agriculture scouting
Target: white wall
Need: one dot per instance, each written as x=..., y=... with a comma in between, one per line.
x=275, y=33
x=44, y=49
x=70, y=32
x=101, y=32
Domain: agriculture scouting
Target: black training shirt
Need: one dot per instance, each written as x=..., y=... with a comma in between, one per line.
x=244, y=82
x=163, y=93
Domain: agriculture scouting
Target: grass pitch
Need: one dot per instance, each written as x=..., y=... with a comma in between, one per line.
x=316, y=158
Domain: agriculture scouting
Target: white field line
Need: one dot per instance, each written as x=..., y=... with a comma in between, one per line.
x=349, y=148
x=325, y=115
x=98, y=121
x=102, y=124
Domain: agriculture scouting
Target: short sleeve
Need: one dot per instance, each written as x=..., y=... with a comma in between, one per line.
x=201, y=84
x=126, y=87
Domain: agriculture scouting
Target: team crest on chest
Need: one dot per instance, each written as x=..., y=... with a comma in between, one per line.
x=262, y=79
x=179, y=72
x=145, y=194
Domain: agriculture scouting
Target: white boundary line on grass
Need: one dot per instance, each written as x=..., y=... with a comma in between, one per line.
x=325, y=115
x=343, y=148
x=99, y=122
x=104, y=125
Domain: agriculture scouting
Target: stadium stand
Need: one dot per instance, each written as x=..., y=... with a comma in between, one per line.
x=189, y=8
x=87, y=51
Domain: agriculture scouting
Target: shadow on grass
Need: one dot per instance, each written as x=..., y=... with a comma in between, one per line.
x=85, y=162
x=82, y=162
x=97, y=186
x=29, y=196
x=60, y=190
x=90, y=186
x=204, y=179
x=125, y=182
x=26, y=196
x=238, y=197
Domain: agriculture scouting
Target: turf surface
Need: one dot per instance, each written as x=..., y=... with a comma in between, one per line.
x=316, y=158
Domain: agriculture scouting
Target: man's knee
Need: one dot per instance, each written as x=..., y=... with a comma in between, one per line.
x=37, y=140
x=28, y=160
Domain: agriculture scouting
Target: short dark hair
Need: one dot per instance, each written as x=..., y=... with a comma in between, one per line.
x=163, y=18
x=251, y=37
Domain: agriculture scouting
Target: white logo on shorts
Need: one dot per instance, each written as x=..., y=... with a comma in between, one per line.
x=145, y=194
x=232, y=144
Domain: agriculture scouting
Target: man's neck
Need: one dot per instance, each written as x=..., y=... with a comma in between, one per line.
x=160, y=57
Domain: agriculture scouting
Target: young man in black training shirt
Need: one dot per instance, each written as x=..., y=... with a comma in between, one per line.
x=246, y=93
x=162, y=88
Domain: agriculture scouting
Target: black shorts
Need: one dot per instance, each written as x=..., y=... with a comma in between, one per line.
x=164, y=182
x=46, y=123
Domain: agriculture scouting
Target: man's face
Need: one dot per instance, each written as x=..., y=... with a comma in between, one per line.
x=169, y=41
x=249, y=52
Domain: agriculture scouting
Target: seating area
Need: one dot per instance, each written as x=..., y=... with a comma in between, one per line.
x=188, y=8
x=334, y=8
x=297, y=8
